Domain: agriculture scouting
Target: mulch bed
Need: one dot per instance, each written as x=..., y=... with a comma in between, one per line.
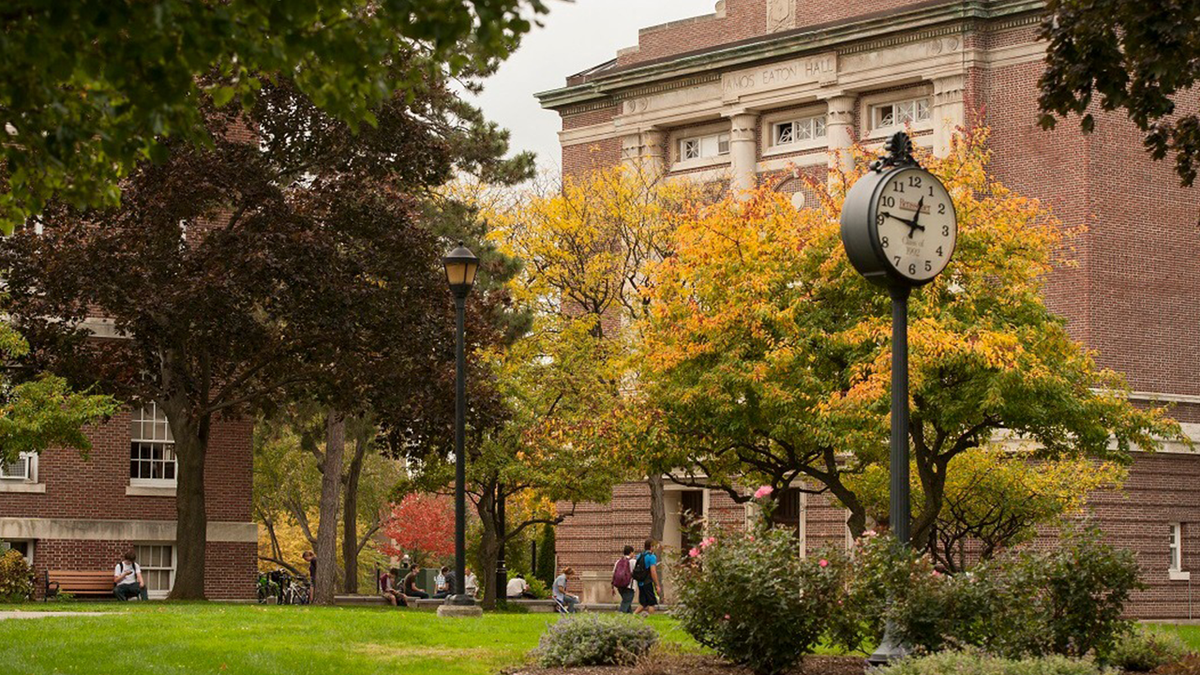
x=679, y=664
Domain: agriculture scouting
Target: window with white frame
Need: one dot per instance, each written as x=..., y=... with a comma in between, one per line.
x=1176, y=549
x=798, y=130
x=23, y=469
x=151, y=448
x=900, y=113
x=22, y=546
x=158, y=568
x=703, y=147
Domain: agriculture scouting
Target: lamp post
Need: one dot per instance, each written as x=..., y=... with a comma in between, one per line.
x=461, y=266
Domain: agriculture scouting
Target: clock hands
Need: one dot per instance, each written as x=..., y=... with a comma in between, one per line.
x=916, y=217
x=911, y=223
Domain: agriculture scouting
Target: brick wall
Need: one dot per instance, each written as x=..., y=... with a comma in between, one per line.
x=94, y=486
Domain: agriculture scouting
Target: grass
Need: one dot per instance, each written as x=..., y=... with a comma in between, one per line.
x=1189, y=633
x=163, y=638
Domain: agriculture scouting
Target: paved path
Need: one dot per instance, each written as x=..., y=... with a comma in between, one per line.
x=38, y=615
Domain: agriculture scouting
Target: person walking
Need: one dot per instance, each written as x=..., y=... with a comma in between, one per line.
x=622, y=580
x=645, y=573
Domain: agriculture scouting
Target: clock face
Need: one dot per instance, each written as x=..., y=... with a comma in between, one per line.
x=915, y=224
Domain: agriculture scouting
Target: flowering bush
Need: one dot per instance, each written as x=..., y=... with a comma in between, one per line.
x=1068, y=601
x=595, y=640
x=16, y=578
x=753, y=600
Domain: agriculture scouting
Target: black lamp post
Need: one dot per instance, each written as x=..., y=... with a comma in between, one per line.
x=461, y=266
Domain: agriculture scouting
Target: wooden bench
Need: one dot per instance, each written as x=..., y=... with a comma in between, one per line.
x=79, y=583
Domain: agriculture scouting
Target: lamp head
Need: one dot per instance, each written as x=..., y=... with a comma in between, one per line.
x=461, y=266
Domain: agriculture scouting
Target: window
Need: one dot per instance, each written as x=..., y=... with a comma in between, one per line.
x=24, y=469
x=703, y=147
x=1176, y=548
x=158, y=568
x=152, y=448
x=900, y=113
x=25, y=548
x=795, y=131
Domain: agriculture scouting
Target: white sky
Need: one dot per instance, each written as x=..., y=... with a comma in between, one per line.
x=574, y=37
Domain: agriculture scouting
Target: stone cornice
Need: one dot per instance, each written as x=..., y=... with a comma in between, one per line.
x=846, y=38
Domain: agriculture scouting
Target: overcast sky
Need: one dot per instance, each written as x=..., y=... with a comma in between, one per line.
x=575, y=36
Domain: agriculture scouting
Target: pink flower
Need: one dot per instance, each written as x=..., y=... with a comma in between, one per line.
x=726, y=617
x=751, y=537
x=764, y=491
x=870, y=533
x=694, y=552
x=937, y=573
x=707, y=541
x=823, y=563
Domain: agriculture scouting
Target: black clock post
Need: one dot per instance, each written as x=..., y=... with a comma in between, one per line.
x=879, y=199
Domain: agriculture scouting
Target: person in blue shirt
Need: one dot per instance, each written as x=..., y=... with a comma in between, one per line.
x=649, y=588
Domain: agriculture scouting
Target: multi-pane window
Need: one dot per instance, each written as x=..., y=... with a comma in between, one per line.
x=24, y=547
x=795, y=131
x=703, y=147
x=899, y=113
x=158, y=567
x=151, y=448
x=1176, y=547
x=22, y=469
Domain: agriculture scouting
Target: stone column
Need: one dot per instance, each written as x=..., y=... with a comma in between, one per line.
x=949, y=111
x=839, y=131
x=631, y=149
x=654, y=161
x=743, y=151
x=644, y=150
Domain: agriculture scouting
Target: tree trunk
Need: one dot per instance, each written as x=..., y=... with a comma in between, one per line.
x=489, y=548
x=658, y=508
x=331, y=483
x=191, y=529
x=350, y=517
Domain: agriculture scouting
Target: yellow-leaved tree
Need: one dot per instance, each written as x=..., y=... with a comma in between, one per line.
x=766, y=358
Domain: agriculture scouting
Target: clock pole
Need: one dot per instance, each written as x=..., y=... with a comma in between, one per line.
x=900, y=490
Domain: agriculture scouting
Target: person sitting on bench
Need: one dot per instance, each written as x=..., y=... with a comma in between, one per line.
x=389, y=591
x=518, y=589
x=127, y=578
x=410, y=584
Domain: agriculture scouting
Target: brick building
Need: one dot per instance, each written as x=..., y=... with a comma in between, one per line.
x=65, y=511
x=761, y=87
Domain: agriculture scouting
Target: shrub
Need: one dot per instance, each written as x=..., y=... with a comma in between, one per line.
x=17, y=580
x=1068, y=601
x=1143, y=650
x=1088, y=583
x=595, y=640
x=977, y=663
x=538, y=588
x=750, y=598
x=1189, y=665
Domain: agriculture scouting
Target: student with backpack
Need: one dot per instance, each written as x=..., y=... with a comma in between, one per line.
x=645, y=573
x=622, y=580
x=127, y=578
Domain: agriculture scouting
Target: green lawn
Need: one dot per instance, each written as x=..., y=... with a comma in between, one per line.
x=164, y=638
x=1190, y=634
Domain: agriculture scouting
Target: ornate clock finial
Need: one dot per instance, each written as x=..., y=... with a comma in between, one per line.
x=900, y=153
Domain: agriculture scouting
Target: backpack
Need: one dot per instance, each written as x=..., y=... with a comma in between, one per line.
x=640, y=572
x=621, y=574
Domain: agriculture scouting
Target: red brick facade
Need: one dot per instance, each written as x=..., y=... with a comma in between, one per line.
x=84, y=502
x=1130, y=294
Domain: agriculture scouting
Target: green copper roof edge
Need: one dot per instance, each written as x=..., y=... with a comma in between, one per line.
x=790, y=44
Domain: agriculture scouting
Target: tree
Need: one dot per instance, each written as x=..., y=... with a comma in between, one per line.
x=1124, y=55
x=586, y=246
x=996, y=499
x=768, y=358
x=93, y=87
x=234, y=270
x=42, y=412
x=420, y=526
